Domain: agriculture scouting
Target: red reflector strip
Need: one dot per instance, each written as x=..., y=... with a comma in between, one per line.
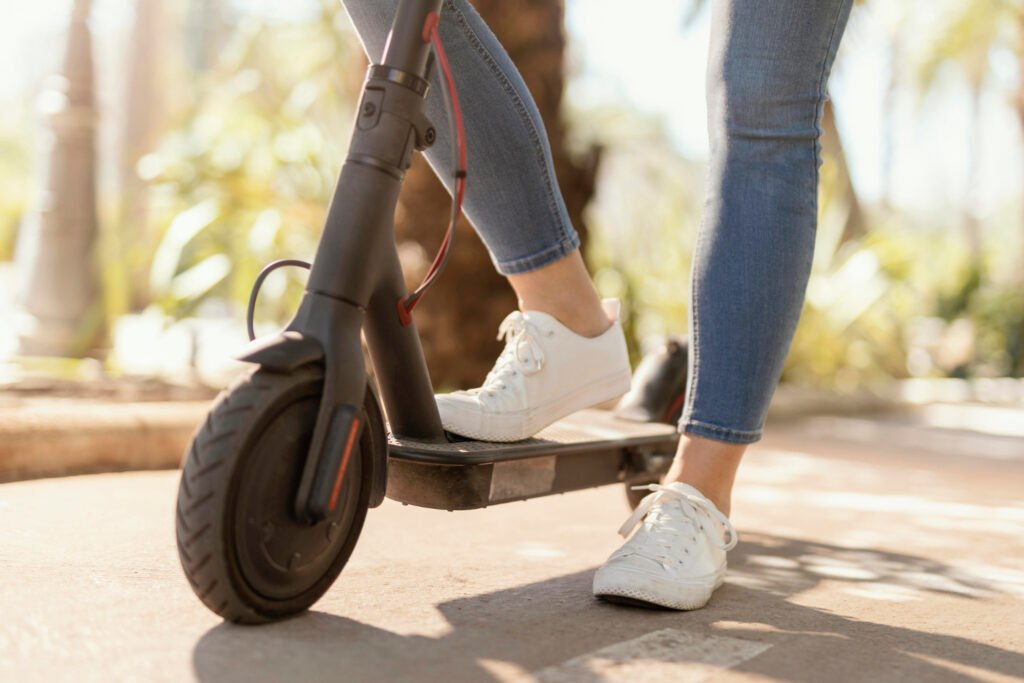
x=352, y=431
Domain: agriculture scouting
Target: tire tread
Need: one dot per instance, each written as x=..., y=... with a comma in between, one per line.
x=209, y=464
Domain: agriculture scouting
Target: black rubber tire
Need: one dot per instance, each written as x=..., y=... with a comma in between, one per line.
x=221, y=451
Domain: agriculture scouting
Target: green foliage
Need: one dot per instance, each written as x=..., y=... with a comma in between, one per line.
x=247, y=175
x=968, y=36
x=15, y=170
x=641, y=222
x=907, y=287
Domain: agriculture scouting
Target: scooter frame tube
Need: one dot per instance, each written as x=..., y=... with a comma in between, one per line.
x=357, y=259
x=356, y=280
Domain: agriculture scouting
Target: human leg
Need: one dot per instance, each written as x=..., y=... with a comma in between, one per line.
x=709, y=466
x=766, y=90
x=515, y=205
x=769, y=63
x=768, y=66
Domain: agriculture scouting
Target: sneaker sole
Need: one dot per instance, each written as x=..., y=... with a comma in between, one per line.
x=622, y=590
x=525, y=424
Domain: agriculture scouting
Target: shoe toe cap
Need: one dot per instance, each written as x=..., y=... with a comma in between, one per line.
x=458, y=400
x=632, y=564
x=622, y=580
x=460, y=412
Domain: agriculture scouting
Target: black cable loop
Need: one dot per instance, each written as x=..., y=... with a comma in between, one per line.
x=267, y=270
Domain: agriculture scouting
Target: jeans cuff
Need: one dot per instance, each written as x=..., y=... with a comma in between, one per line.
x=541, y=258
x=716, y=433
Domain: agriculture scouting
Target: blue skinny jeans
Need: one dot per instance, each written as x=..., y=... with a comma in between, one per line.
x=768, y=67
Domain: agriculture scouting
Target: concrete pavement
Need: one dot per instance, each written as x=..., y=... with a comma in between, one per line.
x=856, y=563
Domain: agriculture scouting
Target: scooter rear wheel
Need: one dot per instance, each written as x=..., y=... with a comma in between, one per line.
x=244, y=553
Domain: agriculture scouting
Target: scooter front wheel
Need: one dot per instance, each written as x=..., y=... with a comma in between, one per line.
x=244, y=553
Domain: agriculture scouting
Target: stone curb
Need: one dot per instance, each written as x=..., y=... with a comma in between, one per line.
x=47, y=437
x=57, y=437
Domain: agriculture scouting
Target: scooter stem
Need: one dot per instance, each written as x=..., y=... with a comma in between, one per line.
x=356, y=278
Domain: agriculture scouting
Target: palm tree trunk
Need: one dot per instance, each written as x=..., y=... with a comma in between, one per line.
x=1018, y=370
x=60, y=291
x=143, y=105
x=972, y=229
x=889, y=103
x=1020, y=119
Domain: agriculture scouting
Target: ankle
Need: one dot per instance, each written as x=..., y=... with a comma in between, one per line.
x=563, y=289
x=709, y=466
x=714, y=491
x=584, y=320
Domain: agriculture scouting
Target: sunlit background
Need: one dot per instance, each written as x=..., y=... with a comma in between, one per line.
x=147, y=178
x=220, y=127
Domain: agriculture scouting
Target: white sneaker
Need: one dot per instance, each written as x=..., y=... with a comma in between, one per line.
x=545, y=372
x=676, y=559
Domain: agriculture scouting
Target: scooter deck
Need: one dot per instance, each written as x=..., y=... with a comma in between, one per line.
x=586, y=449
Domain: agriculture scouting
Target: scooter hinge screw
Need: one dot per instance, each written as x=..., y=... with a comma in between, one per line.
x=430, y=136
x=369, y=109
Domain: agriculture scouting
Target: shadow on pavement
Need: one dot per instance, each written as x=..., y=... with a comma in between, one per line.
x=530, y=627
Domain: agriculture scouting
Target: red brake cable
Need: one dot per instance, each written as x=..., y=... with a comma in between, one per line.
x=430, y=34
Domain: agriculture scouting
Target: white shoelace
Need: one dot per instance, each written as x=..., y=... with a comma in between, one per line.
x=662, y=524
x=522, y=352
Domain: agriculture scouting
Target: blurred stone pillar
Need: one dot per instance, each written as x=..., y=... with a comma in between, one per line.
x=142, y=108
x=56, y=247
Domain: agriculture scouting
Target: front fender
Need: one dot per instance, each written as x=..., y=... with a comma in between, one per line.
x=283, y=352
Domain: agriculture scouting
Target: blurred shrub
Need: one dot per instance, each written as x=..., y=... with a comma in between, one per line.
x=903, y=298
x=15, y=169
x=246, y=176
x=862, y=302
x=996, y=316
x=642, y=221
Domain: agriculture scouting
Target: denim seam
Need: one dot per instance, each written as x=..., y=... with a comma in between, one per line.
x=686, y=422
x=535, y=138
x=537, y=259
x=695, y=345
x=694, y=334
x=736, y=435
x=691, y=389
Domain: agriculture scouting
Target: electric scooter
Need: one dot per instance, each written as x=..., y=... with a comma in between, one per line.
x=277, y=481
